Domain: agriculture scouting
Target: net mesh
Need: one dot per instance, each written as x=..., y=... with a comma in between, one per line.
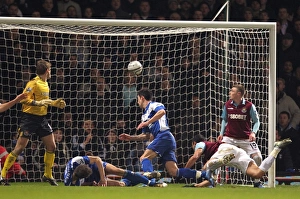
x=190, y=70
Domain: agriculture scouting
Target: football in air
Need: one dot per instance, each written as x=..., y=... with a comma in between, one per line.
x=135, y=67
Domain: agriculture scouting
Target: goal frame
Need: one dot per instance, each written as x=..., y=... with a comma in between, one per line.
x=271, y=26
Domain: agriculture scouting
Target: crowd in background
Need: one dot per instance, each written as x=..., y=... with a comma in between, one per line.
x=100, y=106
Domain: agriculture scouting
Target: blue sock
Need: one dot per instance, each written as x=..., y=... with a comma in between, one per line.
x=147, y=165
x=135, y=178
x=186, y=173
x=203, y=174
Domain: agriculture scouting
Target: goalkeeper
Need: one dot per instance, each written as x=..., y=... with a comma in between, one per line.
x=34, y=121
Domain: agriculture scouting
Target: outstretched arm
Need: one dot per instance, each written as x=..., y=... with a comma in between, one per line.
x=140, y=137
x=191, y=162
x=155, y=117
x=8, y=105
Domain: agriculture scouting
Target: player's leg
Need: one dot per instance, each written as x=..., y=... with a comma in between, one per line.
x=215, y=163
x=132, y=177
x=253, y=151
x=254, y=171
x=12, y=156
x=267, y=163
x=146, y=160
x=49, y=156
x=174, y=171
x=116, y=183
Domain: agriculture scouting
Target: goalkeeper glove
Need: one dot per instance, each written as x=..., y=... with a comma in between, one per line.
x=59, y=103
x=44, y=102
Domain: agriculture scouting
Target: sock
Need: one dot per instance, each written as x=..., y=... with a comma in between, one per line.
x=187, y=173
x=10, y=160
x=275, y=152
x=267, y=163
x=147, y=165
x=48, y=160
x=135, y=178
x=203, y=174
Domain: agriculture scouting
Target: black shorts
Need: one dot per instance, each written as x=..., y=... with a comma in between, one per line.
x=34, y=124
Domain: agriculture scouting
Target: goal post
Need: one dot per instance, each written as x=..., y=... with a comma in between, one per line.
x=220, y=53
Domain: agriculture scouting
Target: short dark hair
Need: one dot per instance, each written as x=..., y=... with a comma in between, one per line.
x=285, y=113
x=82, y=171
x=198, y=138
x=146, y=93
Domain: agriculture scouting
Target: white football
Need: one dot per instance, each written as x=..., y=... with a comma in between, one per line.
x=135, y=67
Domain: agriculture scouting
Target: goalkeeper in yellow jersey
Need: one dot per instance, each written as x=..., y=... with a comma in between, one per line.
x=34, y=121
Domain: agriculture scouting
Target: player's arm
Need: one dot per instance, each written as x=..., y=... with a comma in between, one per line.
x=256, y=123
x=97, y=160
x=30, y=99
x=199, y=148
x=8, y=105
x=139, y=137
x=204, y=183
x=153, y=119
x=223, y=124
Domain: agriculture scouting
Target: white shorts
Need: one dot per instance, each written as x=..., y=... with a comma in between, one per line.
x=246, y=145
x=241, y=160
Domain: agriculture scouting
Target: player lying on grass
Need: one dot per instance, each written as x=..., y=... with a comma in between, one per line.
x=74, y=176
x=233, y=156
x=91, y=176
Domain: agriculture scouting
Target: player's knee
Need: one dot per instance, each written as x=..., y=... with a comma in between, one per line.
x=172, y=173
x=257, y=159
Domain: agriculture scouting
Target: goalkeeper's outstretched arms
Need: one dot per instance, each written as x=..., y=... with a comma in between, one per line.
x=7, y=105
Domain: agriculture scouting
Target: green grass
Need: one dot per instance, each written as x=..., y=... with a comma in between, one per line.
x=39, y=190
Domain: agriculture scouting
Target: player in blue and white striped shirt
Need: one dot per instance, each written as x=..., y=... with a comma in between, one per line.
x=155, y=128
x=94, y=170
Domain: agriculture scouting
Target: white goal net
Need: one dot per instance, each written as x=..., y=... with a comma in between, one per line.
x=190, y=67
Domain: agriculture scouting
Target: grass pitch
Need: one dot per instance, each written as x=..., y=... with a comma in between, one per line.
x=39, y=190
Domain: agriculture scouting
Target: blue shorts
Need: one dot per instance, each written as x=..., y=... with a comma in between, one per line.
x=164, y=145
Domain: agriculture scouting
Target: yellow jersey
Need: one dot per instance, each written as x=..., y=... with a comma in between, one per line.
x=37, y=90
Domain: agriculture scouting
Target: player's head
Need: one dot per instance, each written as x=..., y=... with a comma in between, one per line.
x=237, y=91
x=144, y=95
x=197, y=138
x=82, y=171
x=43, y=68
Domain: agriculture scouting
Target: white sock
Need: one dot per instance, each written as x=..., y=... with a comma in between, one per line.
x=198, y=174
x=275, y=152
x=267, y=163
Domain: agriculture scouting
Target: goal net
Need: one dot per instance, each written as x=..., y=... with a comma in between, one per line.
x=189, y=66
